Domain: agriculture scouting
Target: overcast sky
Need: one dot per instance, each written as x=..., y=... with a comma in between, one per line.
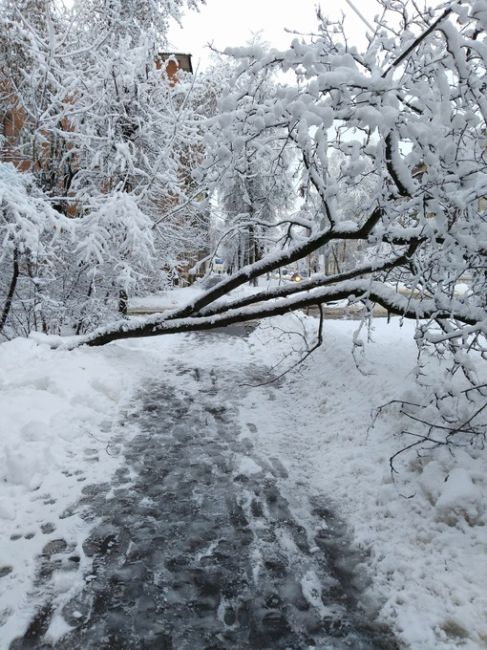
x=232, y=22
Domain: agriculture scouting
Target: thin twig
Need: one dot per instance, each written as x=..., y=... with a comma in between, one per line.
x=319, y=341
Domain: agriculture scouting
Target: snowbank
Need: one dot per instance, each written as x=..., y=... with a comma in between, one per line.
x=164, y=301
x=179, y=297
x=57, y=410
x=424, y=534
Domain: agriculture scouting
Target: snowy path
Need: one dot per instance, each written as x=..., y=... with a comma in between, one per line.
x=196, y=545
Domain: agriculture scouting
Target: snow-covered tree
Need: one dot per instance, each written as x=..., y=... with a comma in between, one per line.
x=410, y=109
x=338, y=256
x=31, y=235
x=135, y=131
x=32, y=93
x=92, y=114
x=251, y=172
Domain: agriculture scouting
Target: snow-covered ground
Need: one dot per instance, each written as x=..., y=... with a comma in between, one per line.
x=423, y=536
x=57, y=414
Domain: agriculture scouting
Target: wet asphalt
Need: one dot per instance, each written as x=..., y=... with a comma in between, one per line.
x=197, y=543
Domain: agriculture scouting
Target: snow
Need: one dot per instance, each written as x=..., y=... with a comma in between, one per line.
x=403, y=115
x=247, y=466
x=58, y=411
x=461, y=498
x=165, y=300
x=421, y=534
x=180, y=297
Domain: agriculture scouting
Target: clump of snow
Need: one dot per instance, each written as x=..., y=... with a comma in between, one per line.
x=247, y=466
x=461, y=498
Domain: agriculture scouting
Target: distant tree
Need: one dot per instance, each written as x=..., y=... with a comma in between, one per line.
x=338, y=256
x=134, y=132
x=33, y=139
x=252, y=173
x=32, y=95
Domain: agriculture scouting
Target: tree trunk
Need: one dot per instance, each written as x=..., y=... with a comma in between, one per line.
x=11, y=291
x=123, y=301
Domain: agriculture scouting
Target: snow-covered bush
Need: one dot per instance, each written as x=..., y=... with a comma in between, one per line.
x=31, y=235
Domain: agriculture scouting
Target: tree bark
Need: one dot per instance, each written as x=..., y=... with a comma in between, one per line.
x=123, y=302
x=11, y=291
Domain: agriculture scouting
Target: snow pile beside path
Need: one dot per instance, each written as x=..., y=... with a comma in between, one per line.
x=56, y=415
x=423, y=533
x=50, y=401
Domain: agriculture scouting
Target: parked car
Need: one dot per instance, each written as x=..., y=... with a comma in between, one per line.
x=210, y=281
x=218, y=265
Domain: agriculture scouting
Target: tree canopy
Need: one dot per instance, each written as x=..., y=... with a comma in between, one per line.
x=408, y=111
x=380, y=150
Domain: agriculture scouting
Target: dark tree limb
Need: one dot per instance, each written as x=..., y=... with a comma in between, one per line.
x=417, y=41
x=271, y=262
x=375, y=292
x=11, y=290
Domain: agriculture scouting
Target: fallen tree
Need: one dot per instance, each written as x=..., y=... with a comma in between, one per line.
x=407, y=116
x=409, y=112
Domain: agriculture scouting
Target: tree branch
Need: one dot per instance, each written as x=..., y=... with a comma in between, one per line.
x=359, y=289
x=273, y=261
x=312, y=283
